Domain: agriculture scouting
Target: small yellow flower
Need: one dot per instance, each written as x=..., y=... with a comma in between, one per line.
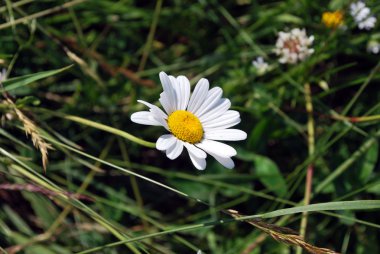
x=332, y=19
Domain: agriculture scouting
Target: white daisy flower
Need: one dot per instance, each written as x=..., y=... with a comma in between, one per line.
x=293, y=47
x=195, y=121
x=260, y=65
x=361, y=14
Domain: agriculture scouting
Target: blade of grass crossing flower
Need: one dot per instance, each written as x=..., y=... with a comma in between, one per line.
x=119, y=168
x=249, y=191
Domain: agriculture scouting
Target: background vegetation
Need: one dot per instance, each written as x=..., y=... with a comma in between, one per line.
x=115, y=49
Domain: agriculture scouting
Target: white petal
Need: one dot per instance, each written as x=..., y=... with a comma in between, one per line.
x=195, y=151
x=223, y=125
x=213, y=96
x=183, y=94
x=199, y=163
x=197, y=156
x=164, y=100
x=157, y=113
x=155, y=108
x=229, y=119
x=177, y=91
x=175, y=150
x=226, y=134
x=144, y=117
x=168, y=89
x=225, y=161
x=220, y=109
x=217, y=148
x=175, y=86
x=165, y=141
x=199, y=95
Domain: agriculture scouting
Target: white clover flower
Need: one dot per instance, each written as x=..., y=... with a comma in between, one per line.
x=368, y=23
x=3, y=75
x=260, y=65
x=294, y=46
x=373, y=47
x=361, y=15
x=195, y=121
x=359, y=11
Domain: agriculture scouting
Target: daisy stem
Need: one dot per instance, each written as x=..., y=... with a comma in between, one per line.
x=110, y=130
x=102, y=127
x=310, y=167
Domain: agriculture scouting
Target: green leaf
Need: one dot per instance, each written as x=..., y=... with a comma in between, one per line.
x=193, y=189
x=18, y=82
x=347, y=214
x=375, y=188
x=337, y=4
x=269, y=174
x=266, y=171
x=368, y=163
x=17, y=220
x=43, y=208
x=289, y=18
x=258, y=136
x=27, y=101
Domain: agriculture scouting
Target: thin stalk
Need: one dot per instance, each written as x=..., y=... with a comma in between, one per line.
x=17, y=4
x=310, y=168
x=357, y=119
x=347, y=163
x=41, y=14
x=361, y=89
x=134, y=184
x=150, y=38
x=80, y=190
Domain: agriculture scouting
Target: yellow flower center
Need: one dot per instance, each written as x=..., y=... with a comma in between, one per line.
x=185, y=126
x=332, y=19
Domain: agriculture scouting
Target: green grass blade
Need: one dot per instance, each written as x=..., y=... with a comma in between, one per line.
x=341, y=205
x=18, y=82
